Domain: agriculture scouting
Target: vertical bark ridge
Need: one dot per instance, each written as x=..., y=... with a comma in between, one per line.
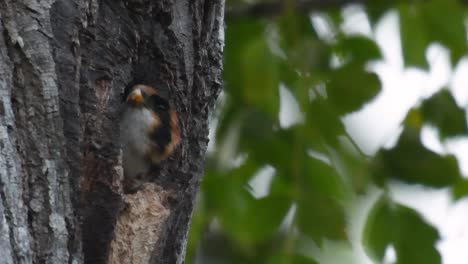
x=15, y=237
x=39, y=133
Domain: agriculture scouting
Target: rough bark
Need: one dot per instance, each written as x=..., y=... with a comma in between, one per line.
x=63, y=67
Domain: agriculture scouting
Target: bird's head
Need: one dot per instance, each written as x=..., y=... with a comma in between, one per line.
x=139, y=94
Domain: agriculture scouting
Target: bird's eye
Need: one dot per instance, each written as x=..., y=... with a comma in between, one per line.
x=157, y=103
x=162, y=107
x=144, y=93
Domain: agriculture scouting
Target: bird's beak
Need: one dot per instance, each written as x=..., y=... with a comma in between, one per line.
x=135, y=98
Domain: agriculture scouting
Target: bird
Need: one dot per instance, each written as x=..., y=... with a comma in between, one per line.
x=149, y=134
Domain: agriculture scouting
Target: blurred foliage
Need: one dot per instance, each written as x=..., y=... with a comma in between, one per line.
x=411, y=162
x=403, y=228
x=315, y=168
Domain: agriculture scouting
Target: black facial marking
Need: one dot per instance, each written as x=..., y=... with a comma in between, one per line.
x=161, y=135
x=157, y=104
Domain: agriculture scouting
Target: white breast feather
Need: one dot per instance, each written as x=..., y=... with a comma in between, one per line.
x=134, y=139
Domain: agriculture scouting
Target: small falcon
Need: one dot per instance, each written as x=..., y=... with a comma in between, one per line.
x=149, y=133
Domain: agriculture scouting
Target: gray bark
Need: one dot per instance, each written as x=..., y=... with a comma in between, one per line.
x=63, y=67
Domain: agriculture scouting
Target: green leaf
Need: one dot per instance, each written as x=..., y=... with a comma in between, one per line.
x=397, y=225
x=442, y=111
x=304, y=51
x=323, y=179
x=321, y=218
x=294, y=27
x=229, y=116
x=420, y=25
x=239, y=35
x=413, y=230
x=378, y=230
x=376, y=9
x=460, y=189
x=299, y=259
x=283, y=257
x=411, y=162
x=309, y=55
x=227, y=197
x=451, y=32
x=357, y=49
x=320, y=212
x=349, y=96
x=323, y=122
x=246, y=219
x=265, y=215
x=260, y=75
x=353, y=165
x=414, y=37
x=216, y=247
x=263, y=140
x=251, y=69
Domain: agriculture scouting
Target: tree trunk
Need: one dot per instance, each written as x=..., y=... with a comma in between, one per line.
x=63, y=67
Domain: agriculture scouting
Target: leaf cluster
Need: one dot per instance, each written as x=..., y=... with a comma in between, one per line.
x=316, y=168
